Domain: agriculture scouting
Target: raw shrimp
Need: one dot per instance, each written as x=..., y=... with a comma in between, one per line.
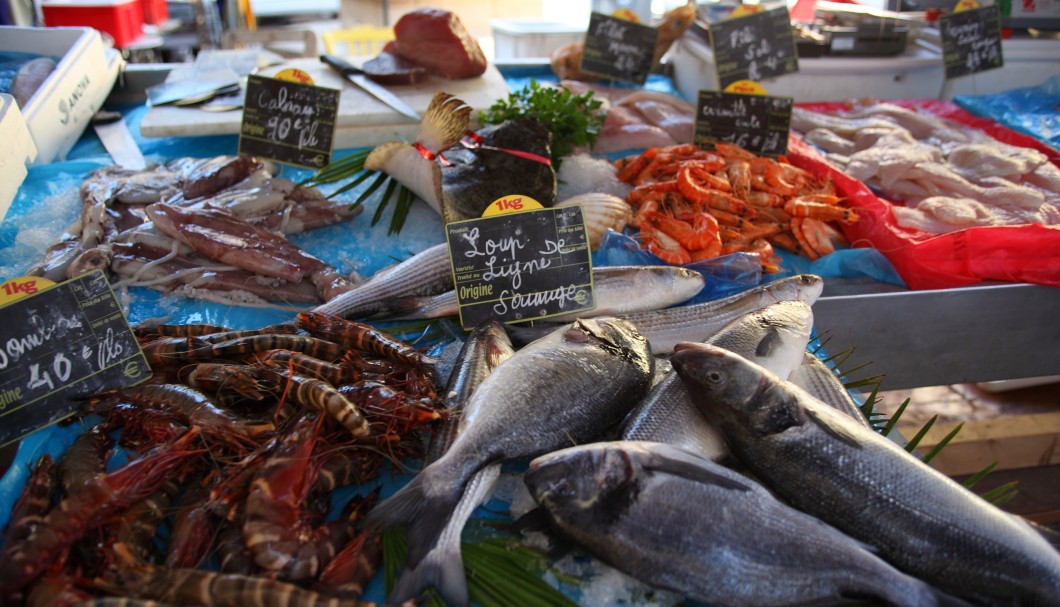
x=321, y=396
x=363, y=337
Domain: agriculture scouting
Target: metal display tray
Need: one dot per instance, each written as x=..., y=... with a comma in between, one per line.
x=963, y=335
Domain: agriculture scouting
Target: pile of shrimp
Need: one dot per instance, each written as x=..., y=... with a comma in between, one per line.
x=238, y=442
x=692, y=204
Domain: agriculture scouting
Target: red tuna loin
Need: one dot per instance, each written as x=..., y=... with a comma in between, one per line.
x=437, y=40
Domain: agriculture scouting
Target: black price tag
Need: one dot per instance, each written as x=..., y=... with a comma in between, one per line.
x=288, y=121
x=521, y=266
x=59, y=344
x=971, y=41
x=754, y=47
x=757, y=123
x=619, y=49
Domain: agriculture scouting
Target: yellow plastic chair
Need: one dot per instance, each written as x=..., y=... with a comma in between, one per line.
x=357, y=41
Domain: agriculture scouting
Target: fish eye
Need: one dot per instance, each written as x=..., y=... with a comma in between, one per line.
x=715, y=377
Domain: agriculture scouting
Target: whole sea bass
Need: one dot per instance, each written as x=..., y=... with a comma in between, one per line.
x=830, y=466
x=617, y=290
x=442, y=567
x=683, y=523
x=566, y=388
x=425, y=273
x=774, y=337
x=697, y=322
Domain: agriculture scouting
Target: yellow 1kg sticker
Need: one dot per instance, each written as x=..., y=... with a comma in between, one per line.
x=746, y=9
x=17, y=288
x=747, y=87
x=293, y=74
x=511, y=204
x=965, y=5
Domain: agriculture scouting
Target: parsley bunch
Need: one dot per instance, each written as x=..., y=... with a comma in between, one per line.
x=574, y=120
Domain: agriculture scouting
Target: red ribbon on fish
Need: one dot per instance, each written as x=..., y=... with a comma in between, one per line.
x=429, y=155
x=472, y=140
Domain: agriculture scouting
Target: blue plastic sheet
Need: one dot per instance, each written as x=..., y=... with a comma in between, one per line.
x=1033, y=110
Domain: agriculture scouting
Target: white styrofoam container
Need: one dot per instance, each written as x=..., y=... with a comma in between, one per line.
x=531, y=38
x=17, y=150
x=65, y=103
x=915, y=74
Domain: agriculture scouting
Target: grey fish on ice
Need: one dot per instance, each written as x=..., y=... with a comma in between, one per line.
x=566, y=388
x=686, y=524
x=834, y=468
x=425, y=273
x=617, y=290
x=774, y=337
x=442, y=567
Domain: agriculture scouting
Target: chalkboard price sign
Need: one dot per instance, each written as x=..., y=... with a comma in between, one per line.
x=521, y=266
x=619, y=49
x=758, y=123
x=971, y=41
x=288, y=121
x=754, y=47
x=62, y=343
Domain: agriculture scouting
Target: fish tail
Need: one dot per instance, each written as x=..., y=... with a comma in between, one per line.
x=444, y=123
x=442, y=569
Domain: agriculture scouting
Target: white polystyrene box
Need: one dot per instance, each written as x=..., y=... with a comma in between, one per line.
x=65, y=103
x=915, y=74
x=17, y=150
x=528, y=38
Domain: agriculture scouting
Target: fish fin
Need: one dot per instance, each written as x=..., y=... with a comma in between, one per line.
x=835, y=430
x=425, y=515
x=534, y=520
x=694, y=471
x=399, y=308
x=768, y=344
x=522, y=335
x=442, y=570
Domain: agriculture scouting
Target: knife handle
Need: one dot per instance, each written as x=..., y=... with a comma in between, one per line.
x=342, y=66
x=106, y=117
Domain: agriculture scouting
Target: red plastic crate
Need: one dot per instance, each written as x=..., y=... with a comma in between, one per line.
x=155, y=11
x=122, y=19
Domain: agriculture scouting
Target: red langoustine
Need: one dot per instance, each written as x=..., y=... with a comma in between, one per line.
x=247, y=457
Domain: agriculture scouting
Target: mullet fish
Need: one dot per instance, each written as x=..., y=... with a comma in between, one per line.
x=442, y=567
x=686, y=524
x=617, y=289
x=425, y=273
x=566, y=388
x=775, y=337
x=834, y=468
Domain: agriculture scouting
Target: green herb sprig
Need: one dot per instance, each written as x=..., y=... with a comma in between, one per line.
x=351, y=170
x=573, y=120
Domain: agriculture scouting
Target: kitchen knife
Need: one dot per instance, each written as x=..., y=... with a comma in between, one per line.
x=116, y=138
x=357, y=77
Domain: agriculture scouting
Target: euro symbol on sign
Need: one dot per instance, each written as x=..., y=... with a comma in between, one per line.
x=132, y=369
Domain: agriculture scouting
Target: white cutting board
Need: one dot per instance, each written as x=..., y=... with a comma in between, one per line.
x=363, y=121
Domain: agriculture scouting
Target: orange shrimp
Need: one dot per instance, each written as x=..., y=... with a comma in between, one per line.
x=703, y=173
x=639, y=194
x=662, y=245
x=812, y=236
x=804, y=207
x=697, y=193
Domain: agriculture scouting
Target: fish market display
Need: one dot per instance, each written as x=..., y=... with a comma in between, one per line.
x=692, y=204
x=563, y=389
x=617, y=290
x=566, y=60
x=833, y=468
x=210, y=228
x=947, y=176
x=687, y=524
x=774, y=337
x=249, y=432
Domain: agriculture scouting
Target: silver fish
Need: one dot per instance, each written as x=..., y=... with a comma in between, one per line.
x=817, y=378
x=425, y=273
x=834, y=468
x=697, y=322
x=563, y=389
x=442, y=567
x=686, y=524
x=775, y=337
x=617, y=289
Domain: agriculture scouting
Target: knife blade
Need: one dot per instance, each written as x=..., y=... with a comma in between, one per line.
x=118, y=141
x=357, y=77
